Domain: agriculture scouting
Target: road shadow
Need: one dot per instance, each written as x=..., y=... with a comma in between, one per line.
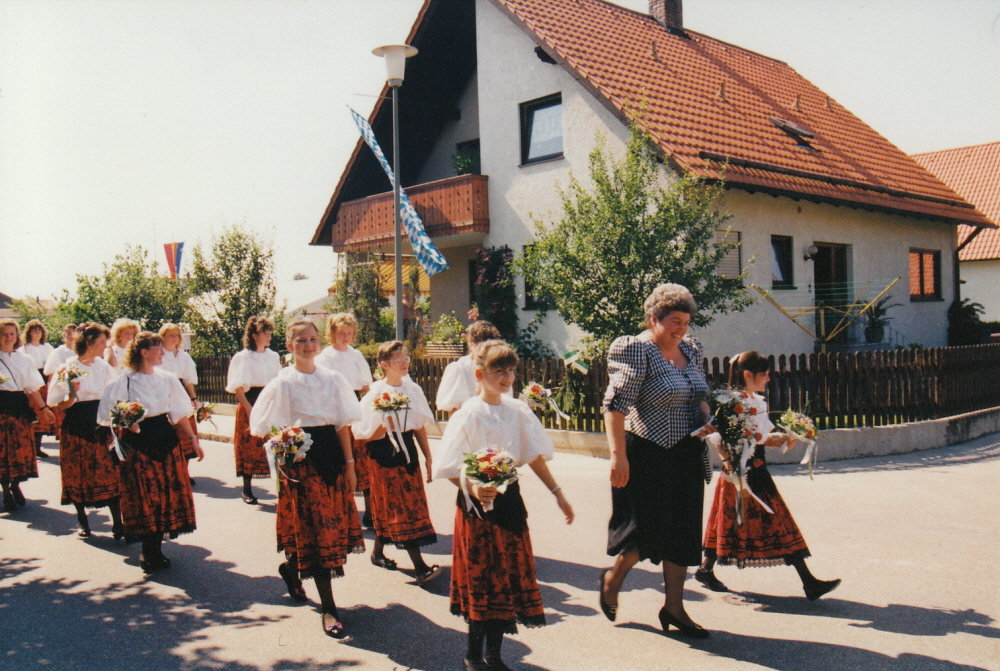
x=66, y=624
x=44, y=515
x=214, y=488
x=980, y=450
x=792, y=655
x=585, y=577
x=415, y=642
x=894, y=618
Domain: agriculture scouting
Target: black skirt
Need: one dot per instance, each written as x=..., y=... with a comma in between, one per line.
x=659, y=511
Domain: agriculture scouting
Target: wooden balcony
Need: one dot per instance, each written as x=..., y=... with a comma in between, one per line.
x=449, y=207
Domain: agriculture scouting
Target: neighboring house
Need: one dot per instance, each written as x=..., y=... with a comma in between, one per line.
x=528, y=83
x=974, y=174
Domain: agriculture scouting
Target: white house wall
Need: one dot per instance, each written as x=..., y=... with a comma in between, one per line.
x=438, y=165
x=982, y=285
x=510, y=73
x=879, y=250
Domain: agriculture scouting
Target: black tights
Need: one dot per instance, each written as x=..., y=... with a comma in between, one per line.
x=114, y=508
x=324, y=585
x=492, y=632
x=151, y=546
x=805, y=575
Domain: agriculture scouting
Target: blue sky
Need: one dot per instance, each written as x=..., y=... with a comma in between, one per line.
x=151, y=122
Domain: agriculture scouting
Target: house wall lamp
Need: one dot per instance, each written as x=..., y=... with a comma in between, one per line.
x=811, y=252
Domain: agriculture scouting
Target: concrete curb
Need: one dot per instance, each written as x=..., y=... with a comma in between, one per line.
x=833, y=445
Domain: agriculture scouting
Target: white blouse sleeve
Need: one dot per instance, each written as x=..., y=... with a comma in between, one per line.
x=455, y=388
x=273, y=408
x=238, y=376
x=535, y=442
x=420, y=414
x=179, y=404
x=449, y=453
x=190, y=375
x=349, y=407
x=364, y=371
x=366, y=425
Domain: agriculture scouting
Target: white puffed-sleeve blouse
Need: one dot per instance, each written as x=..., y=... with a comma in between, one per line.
x=320, y=398
x=159, y=393
x=19, y=372
x=350, y=363
x=248, y=369
x=419, y=414
x=99, y=375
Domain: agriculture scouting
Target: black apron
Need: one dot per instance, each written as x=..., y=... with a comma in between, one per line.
x=383, y=452
x=15, y=404
x=508, y=509
x=252, y=393
x=157, y=437
x=81, y=420
x=325, y=453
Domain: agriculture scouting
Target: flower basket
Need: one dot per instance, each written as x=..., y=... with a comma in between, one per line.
x=442, y=349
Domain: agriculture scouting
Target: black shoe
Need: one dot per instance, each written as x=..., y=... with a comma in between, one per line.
x=15, y=489
x=475, y=665
x=687, y=630
x=708, y=579
x=40, y=454
x=8, y=502
x=496, y=664
x=428, y=575
x=366, y=521
x=117, y=532
x=820, y=587
x=384, y=562
x=292, y=582
x=249, y=499
x=610, y=612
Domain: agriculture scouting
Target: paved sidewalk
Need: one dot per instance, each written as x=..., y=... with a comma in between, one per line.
x=914, y=538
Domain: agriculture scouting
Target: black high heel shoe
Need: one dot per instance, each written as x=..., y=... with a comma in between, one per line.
x=610, y=612
x=696, y=631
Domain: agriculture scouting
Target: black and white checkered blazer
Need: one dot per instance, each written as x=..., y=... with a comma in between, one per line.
x=660, y=402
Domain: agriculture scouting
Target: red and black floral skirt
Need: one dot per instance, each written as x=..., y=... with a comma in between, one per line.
x=17, y=448
x=493, y=574
x=362, y=469
x=763, y=539
x=399, y=505
x=251, y=460
x=316, y=522
x=89, y=475
x=156, y=494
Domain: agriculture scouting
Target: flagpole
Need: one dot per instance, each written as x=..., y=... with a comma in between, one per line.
x=396, y=213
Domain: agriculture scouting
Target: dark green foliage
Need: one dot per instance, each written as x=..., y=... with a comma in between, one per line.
x=964, y=324
x=629, y=233
x=495, y=294
x=132, y=287
x=359, y=291
x=231, y=282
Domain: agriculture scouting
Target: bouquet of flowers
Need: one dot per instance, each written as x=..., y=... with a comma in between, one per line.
x=204, y=413
x=392, y=402
x=66, y=374
x=732, y=415
x=536, y=396
x=801, y=427
x=489, y=466
x=124, y=415
x=288, y=443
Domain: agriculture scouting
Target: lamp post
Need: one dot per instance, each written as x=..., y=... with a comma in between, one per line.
x=395, y=65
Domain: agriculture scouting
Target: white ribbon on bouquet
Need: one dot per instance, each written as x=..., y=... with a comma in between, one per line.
x=395, y=434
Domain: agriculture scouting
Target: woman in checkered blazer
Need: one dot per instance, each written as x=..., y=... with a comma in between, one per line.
x=655, y=400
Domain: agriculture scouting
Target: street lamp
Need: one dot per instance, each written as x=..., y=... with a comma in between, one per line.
x=395, y=65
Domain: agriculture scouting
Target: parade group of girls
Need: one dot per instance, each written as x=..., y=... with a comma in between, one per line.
x=356, y=448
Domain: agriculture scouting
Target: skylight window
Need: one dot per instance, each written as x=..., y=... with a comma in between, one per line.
x=796, y=132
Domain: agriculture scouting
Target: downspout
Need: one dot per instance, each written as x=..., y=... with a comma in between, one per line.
x=972, y=236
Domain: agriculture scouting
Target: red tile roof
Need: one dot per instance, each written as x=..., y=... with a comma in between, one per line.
x=707, y=103
x=974, y=173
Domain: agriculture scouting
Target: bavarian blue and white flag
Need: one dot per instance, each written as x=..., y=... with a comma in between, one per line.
x=430, y=258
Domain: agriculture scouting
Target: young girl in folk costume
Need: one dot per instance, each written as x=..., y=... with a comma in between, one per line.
x=493, y=581
x=458, y=383
x=123, y=331
x=341, y=329
x=35, y=337
x=90, y=477
x=156, y=488
x=763, y=538
x=180, y=363
x=399, y=504
x=249, y=370
x=317, y=522
x=19, y=385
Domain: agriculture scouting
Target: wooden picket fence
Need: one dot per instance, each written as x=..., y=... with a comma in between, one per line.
x=840, y=390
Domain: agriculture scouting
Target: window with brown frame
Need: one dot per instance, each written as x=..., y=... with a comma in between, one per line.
x=925, y=275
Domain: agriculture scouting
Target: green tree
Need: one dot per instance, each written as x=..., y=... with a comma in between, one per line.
x=359, y=291
x=55, y=320
x=231, y=282
x=618, y=241
x=132, y=287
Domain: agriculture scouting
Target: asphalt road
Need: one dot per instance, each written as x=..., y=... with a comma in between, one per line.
x=915, y=539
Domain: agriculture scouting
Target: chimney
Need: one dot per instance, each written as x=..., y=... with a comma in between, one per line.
x=667, y=12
